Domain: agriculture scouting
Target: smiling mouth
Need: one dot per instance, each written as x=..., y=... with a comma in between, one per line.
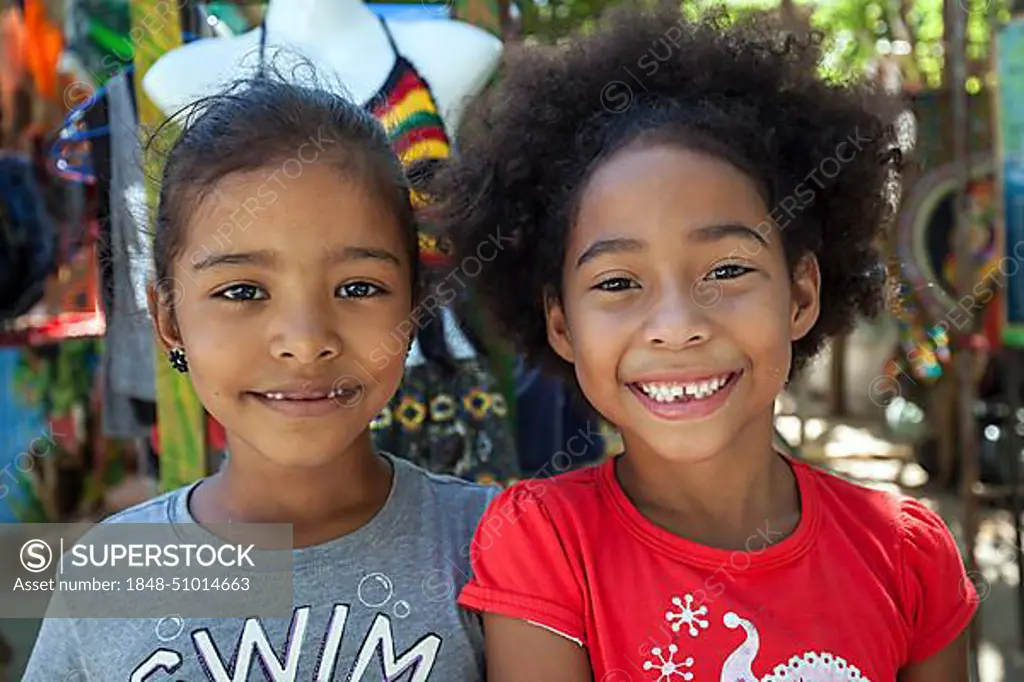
x=685, y=392
x=308, y=396
x=310, y=403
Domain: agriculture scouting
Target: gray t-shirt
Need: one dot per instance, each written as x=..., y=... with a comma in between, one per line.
x=386, y=592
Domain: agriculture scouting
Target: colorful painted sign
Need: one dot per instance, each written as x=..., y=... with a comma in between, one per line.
x=1010, y=154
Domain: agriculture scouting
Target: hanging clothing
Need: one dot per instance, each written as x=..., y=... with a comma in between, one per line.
x=31, y=46
x=129, y=370
x=43, y=47
x=549, y=421
x=28, y=237
x=449, y=415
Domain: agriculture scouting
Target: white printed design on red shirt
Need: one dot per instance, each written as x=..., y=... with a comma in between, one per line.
x=672, y=666
x=666, y=666
x=687, y=615
x=810, y=667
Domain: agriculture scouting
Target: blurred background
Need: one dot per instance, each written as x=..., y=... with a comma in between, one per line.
x=927, y=399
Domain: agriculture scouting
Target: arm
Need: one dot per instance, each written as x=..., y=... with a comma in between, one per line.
x=939, y=598
x=949, y=665
x=527, y=582
x=550, y=657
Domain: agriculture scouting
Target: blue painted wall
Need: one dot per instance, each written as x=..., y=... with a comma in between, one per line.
x=19, y=425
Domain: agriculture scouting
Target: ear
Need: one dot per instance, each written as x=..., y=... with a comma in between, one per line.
x=162, y=312
x=558, y=328
x=806, y=302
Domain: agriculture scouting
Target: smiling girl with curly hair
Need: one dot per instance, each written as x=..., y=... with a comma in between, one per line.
x=694, y=212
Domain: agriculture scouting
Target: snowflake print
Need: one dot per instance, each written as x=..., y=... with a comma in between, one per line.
x=688, y=615
x=666, y=667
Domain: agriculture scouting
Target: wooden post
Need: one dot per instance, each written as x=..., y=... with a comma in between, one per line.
x=963, y=362
x=837, y=377
x=1011, y=451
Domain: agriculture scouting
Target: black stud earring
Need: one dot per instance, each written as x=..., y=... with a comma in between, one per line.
x=178, y=360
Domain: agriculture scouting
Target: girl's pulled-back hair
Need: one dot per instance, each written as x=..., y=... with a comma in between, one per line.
x=823, y=154
x=268, y=123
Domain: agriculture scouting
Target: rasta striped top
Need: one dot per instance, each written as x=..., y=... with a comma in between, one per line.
x=406, y=108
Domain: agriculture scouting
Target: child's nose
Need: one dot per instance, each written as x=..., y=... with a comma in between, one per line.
x=304, y=336
x=677, y=320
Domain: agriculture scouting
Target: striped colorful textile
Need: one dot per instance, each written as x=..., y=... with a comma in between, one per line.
x=408, y=112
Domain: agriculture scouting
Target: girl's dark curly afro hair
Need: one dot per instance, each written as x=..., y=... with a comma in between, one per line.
x=741, y=90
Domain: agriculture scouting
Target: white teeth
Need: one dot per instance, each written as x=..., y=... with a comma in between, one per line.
x=669, y=392
x=334, y=393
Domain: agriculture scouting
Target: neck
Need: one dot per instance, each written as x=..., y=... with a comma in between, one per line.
x=723, y=500
x=252, y=489
x=306, y=21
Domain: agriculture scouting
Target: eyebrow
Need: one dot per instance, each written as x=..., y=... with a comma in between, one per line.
x=708, y=233
x=712, y=233
x=612, y=245
x=213, y=260
x=267, y=258
x=349, y=253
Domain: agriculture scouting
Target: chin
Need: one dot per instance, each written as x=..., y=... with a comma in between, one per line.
x=689, y=448
x=312, y=448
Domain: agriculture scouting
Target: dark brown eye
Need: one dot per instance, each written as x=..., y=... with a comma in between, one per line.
x=359, y=290
x=729, y=272
x=243, y=292
x=616, y=284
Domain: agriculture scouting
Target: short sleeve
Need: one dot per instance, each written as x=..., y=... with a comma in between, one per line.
x=940, y=597
x=521, y=567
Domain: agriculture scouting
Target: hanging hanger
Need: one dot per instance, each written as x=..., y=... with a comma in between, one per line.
x=69, y=154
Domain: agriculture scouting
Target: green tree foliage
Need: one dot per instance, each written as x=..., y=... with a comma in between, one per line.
x=856, y=31
x=909, y=31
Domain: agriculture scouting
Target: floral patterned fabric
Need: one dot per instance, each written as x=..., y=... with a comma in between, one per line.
x=450, y=424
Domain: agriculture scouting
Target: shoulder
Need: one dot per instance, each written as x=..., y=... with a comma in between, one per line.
x=846, y=500
x=908, y=518
x=579, y=486
x=199, y=69
x=445, y=506
x=468, y=38
x=529, y=557
x=564, y=506
x=160, y=509
x=452, y=491
x=909, y=544
x=913, y=555
x=455, y=58
x=435, y=46
x=887, y=514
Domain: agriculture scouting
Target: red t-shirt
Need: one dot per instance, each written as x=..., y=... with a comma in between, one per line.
x=867, y=583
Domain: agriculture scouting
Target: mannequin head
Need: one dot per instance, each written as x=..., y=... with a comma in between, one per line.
x=344, y=39
x=285, y=255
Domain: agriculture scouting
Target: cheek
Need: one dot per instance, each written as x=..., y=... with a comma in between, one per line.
x=222, y=354
x=216, y=339
x=761, y=326
x=600, y=340
x=378, y=341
